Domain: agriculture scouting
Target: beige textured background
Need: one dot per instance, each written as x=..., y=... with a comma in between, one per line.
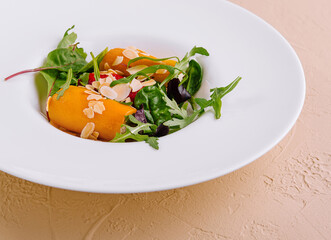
x=286, y=194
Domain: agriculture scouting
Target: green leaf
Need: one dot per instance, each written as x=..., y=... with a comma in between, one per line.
x=195, y=50
x=134, y=133
x=50, y=77
x=155, y=107
x=149, y=58
x=219, y=93
x=152, y=141
x=89, y=66
x=64, y=59
x=66, y=85
x=173, y=106
x=194, y=78
x=202, y=102
x=96, y=67
x=181, y=123
x=84, y=78
x=150, y=69
x=68, y=39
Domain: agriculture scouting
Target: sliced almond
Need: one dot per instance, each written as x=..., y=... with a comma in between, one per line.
x=89, y=87
x=95, y=134
x=133, y=70
x=96, y=84
x=94, y=97
x=109, y=92
x=145, y=53
x=135, y=85
x=89, y=112
x=47, y=105
x=141, y=78
x=118, y=60
x=104, y=84
x=106, y=66
x=99, y=107
x=110, y=78
x=119, y=72
x=123, y=90
x=102, y=81
x=161, y=71
x=148, y=83
x=92, y=103
x=123, y=129
x=87, y=130
x=180, y=76
x=128, y=99
x=90, y=92
x=132, y=47
x=129, y=53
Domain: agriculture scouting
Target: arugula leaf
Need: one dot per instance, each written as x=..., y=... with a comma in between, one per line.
x=173, y=107
x=219, y=93
x=150, y=69
x=149, y=58
x=89, y=66
x=181, y=123
x=195, y=50
x=66, y=85
x=152, y=141
x=134, y=133
x=146, y=127
x=68, y=39
x=96, y=68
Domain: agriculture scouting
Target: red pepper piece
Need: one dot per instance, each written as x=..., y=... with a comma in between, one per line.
x=117, y=76
x=91, y=78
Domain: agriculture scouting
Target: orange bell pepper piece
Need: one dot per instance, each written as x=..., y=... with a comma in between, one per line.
x=67, y=112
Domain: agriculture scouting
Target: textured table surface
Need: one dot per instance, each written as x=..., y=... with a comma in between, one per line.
x=286, y=194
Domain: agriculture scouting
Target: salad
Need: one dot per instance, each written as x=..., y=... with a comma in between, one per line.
x=126, y=94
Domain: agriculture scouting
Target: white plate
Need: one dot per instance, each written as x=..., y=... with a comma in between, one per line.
x=255, y=116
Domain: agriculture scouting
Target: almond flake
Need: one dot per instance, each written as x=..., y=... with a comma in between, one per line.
x=96, y=84
x=122, y=129
x=161, y=71
x=130, y=54
x=87, y=130
x=141, y=78
x=89, y=87
x=47, y=105
x=90, y=92
x=95, y=134
x=128, y=99
x=108, y=92
x=133, y=70
x=109, y=79
x=106, y=66
x=94, y=97
x=148, y=83
x=118, y=60
x=180, y=76
x=102, y=81
x=89, y=112
x=135, y=85
x=123, y=90
x=92, y=103
x=132, y=47
x=145, y=54
x=99, y=107
x=119, y=72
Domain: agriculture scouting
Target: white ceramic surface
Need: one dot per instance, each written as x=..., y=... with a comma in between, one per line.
x=255, y=117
